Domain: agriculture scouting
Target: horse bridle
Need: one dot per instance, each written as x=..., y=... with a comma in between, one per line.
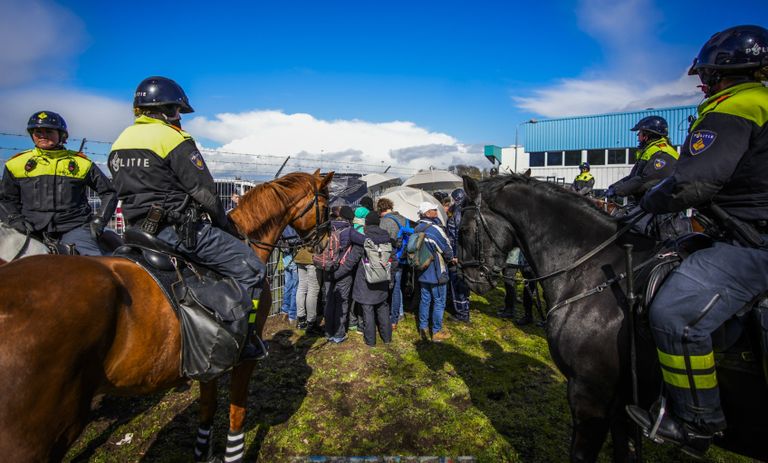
x=485, y=270
x=315, y=236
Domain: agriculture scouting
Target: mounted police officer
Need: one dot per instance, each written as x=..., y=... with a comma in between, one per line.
x=724, y=169
x=43, y=190
x=655, y=156
x=585, y=181
x=165, y=187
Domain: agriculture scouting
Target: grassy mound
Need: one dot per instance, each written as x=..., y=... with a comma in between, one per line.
x=491, y=391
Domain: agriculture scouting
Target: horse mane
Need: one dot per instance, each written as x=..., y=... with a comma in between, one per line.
x=265, y=199
x=497, y=183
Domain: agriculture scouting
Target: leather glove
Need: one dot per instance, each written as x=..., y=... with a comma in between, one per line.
x=21, y=224
x=97, y=228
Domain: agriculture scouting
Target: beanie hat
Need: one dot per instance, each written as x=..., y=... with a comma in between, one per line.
x=372, y=219
x=346, y=212
x=367, y=202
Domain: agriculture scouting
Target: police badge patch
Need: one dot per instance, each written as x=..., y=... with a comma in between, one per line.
x=659, y=164
x=701, y=140
x=197, y=160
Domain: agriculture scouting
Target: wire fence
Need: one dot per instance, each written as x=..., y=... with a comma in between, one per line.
x=225, y=164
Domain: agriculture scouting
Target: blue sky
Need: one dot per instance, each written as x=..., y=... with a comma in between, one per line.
x=405, y=83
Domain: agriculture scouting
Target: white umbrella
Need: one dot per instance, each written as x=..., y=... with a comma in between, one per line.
x=378, y=182
x=407, y=201
x=435, y=180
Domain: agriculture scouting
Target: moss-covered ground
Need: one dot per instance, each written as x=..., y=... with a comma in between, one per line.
x=491, y=391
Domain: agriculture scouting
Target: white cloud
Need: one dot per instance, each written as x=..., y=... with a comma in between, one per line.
x=574, y=97
x=639, y=71
x=87, y=115
x=341, y=144
x=39, y=40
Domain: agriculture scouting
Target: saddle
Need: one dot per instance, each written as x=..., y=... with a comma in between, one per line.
x=741, y=343
x=212, y=309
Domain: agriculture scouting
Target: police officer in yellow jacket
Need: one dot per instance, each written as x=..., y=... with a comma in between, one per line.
x=585, y=181
x=160, y=174
x=655, y=159
x=43, y=190
x=723, y=168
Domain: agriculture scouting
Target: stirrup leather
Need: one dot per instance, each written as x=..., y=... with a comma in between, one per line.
x=655, y=428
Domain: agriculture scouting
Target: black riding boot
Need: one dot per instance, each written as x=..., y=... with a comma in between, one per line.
x=661, y=425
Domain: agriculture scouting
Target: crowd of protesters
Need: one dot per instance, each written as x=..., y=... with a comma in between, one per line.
x=345, y=301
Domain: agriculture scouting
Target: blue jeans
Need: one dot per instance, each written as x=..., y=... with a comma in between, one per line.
x=396, y=309
x=735, y=276
x=290, y=286
x=223, y=253
x=81, y=238
x=433, y=293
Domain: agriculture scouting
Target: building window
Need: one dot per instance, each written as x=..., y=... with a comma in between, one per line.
x=573, y=158
x=596, y=157
x=617, y=156
x=555, y=158
x=536, y=159
x=632, y=156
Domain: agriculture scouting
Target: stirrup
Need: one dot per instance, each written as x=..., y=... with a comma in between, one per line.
x=655, y=428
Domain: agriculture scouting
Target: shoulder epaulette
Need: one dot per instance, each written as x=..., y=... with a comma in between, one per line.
x=81, y=154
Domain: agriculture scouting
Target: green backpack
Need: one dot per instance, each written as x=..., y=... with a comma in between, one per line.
x=418, y=251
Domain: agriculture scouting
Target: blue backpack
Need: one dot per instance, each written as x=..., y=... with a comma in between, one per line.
x=404, y=232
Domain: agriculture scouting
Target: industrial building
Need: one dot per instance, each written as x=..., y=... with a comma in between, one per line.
x=554, y=148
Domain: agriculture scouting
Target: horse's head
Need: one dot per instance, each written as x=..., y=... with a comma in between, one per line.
x=485, y=239
x=297, y=199
x=310, y=215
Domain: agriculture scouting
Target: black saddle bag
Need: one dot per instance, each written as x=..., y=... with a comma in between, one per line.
x=214, y=324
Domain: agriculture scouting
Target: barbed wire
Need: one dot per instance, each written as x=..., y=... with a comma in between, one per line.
x=277, y=160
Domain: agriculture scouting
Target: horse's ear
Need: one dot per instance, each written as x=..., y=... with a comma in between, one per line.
x=527, y=173
x=317, y=172
x=471, y=188
x=326, y=180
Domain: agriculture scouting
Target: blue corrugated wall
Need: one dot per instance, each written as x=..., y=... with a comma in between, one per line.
x=601, y=131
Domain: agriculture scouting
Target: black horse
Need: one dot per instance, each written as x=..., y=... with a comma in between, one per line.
x=588, y=338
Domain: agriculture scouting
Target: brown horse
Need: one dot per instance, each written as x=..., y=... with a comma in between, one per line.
x=74, y=327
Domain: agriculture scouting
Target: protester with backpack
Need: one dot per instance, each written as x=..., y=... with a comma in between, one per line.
x=372, y=280
x=433, y=273
x=334, y=261
x=399, y=229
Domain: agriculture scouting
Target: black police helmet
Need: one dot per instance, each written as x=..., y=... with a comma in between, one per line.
x=736, y=48
x=47, y=120
x=653, y=124
x=584, y=165
x=458, y=195
x=161, y=91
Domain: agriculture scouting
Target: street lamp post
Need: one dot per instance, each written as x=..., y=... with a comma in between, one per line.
x=517, y=147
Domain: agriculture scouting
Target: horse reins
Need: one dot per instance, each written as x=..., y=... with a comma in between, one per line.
x=594, y=251
x=481, y=264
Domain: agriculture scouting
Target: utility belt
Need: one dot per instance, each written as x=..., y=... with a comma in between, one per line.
x=748, y=234
x=184, y=222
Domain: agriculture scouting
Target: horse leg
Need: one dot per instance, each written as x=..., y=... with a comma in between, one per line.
x=620, y=438
x=238, y=388
x=203, y=443
x=238, y=397
x=590, y=414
